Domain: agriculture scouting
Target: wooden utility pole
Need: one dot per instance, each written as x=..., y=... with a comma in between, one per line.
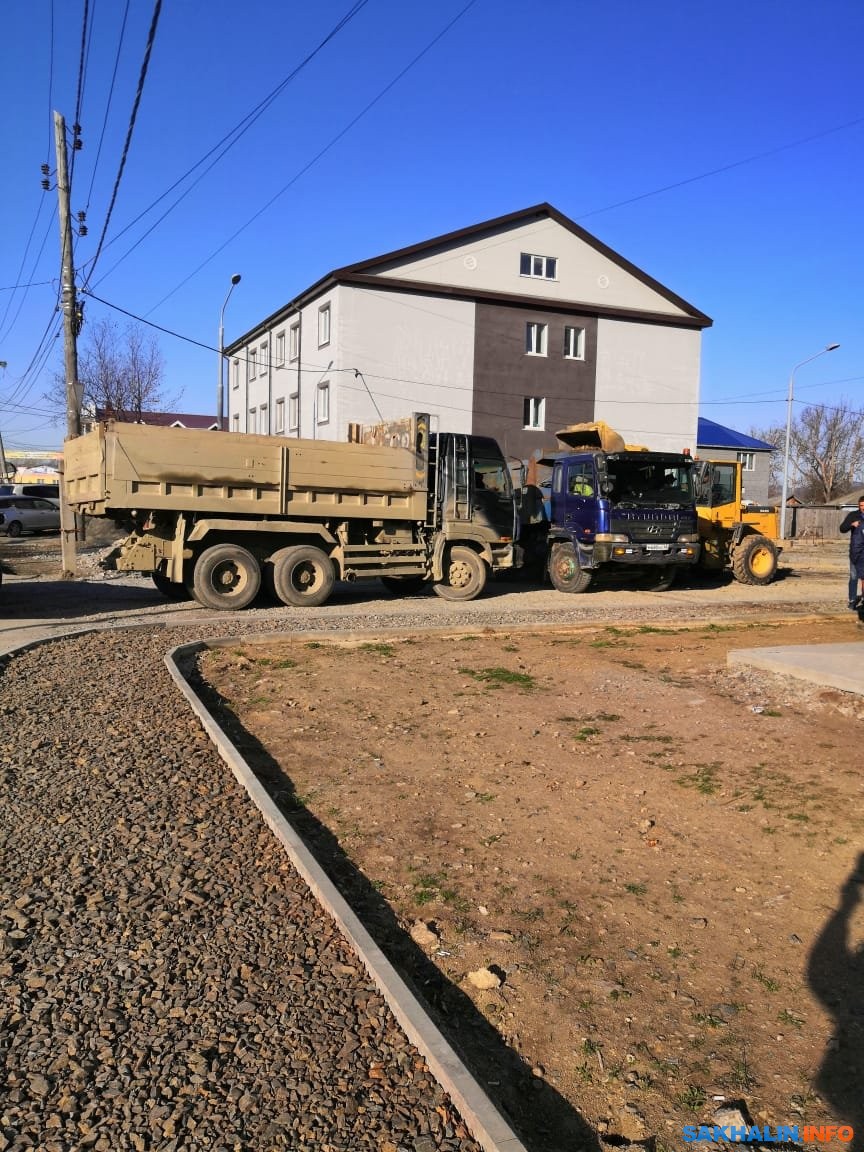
x=71, y=326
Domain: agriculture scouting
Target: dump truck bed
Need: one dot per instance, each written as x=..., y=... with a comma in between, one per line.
x=124, y=467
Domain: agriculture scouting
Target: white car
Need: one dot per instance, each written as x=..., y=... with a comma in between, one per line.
x=28, y=514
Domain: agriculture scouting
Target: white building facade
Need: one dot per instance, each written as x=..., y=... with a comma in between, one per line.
x=511, y=328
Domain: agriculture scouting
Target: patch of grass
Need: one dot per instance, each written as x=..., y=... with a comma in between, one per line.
x=381, y=649
x=692, y=1098
x=315, y=644
x=770, y=712
x=703, y=779
x=509, y=648
x=586, y=732
x=636, y=889
x=496, y=677
x=787, y=1017
x=767, y=982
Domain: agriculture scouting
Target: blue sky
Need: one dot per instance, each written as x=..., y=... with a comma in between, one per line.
x=716, y=146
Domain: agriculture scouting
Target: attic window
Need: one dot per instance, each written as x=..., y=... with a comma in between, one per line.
x=538, y=267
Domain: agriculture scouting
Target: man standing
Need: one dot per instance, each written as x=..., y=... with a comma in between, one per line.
x=853, y=523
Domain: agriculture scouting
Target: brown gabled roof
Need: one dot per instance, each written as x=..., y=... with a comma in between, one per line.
x=163, y=419
x=363, y=272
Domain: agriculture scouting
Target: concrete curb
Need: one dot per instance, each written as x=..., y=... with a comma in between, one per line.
x=487, y=1125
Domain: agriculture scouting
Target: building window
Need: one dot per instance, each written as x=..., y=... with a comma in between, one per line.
x=574, y=343
x=280, y=349
x=535, y=339
x=538, y=267
x=280, y=418
x=534, y=410
x=235, y=373
x=263, y=358
x=252, y=364
x=747, y=460
x=263, y=422
x=323, y=325
x=322, y=407
x=235, y=422
x=294, y=342
x=294, y=412
x=252, y=422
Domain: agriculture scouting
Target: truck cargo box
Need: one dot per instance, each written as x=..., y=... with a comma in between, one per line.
x=125, y=467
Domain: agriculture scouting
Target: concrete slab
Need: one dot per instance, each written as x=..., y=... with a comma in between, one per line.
x=833, y=665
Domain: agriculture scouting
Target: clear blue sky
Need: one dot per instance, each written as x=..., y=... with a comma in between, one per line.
x=716, y=146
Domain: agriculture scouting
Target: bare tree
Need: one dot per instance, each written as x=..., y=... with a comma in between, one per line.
x=120, y=370
x=826, y=451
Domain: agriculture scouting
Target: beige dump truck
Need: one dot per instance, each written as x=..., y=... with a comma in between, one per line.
x=216, y=514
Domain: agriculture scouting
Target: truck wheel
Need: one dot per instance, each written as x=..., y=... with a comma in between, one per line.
x=564, y=570
x=403, y=585
x=464, y=575
x=226, y=577
x=302, y=576
x=754, y=561
x=169, y=589
x=659, y=579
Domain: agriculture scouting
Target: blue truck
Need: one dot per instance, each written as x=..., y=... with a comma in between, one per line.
x=608, y=505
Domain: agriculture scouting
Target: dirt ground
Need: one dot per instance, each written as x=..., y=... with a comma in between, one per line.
x=645, y=849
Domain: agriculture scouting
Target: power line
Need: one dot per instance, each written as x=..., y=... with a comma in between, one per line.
x=143, y=76
x=82, y=69
x=320, y=154
x=229, y=140
x=108, y=104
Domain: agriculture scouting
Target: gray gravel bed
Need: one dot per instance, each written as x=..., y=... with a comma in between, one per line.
x=167, y=980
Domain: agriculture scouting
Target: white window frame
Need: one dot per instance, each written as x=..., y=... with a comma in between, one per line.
x=235, y=373
x=280, y=349
x=534, y=413
x=747, y=460
x=294, y=343
x=263, y=418
x=574, y=342
x=538, y=267
x=252, y=421
x=263, y=359
x=235, y=422
x=279, y=425
x=252, y=364
x=322, y=403
x=324, y=326
x=536, y=338
x=293, y=411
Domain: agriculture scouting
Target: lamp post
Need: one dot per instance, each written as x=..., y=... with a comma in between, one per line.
x=821, y=352
x=220, y=391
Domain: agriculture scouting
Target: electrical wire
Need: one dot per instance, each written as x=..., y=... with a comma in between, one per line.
x=108, y=104
x=157, y=8
x=86, y=25
x=323, y=152
x=229, y=140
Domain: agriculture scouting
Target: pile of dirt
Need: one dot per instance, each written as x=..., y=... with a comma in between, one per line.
x=626, y=855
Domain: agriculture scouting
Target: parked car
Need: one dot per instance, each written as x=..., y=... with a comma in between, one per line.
x=28, y=514
x=49, y=491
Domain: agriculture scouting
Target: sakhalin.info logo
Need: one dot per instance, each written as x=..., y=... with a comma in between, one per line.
x=782, y=1134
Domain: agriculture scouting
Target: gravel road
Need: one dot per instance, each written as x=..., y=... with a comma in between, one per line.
x=167, y=981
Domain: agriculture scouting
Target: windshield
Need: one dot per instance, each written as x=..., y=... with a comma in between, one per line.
x=492, y=475
x=644, y=482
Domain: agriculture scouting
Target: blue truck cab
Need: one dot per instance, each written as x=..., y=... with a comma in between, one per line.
x=631, y=507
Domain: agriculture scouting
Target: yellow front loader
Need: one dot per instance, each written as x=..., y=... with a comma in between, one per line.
x=733, y=534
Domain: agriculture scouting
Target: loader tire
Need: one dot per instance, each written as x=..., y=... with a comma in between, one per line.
x=564, y=570
x=226, y=577
x=464, y=575
x=303, y=576
x=754, y=561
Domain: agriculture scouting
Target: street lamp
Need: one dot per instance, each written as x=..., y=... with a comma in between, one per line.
x=827, y=348
x=220, y=391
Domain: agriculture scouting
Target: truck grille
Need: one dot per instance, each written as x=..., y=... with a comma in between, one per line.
x=648, y=527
